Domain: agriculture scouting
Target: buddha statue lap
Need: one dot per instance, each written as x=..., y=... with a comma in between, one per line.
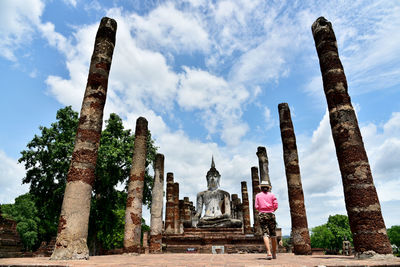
x=216, y=203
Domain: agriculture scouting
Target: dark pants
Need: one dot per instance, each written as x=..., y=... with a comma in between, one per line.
x=268, y=224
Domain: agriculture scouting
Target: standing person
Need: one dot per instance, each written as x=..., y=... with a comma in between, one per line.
x=266, y=204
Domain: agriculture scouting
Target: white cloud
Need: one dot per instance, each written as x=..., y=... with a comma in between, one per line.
x=168, y=27
x=18, y=20
x=218, y=101
x=11, y=174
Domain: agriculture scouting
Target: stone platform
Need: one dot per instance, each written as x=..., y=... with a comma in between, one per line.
x=217, y=240
x=200, y=260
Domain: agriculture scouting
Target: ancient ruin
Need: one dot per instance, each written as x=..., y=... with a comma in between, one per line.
x=156, y=223
x=300, y=235
x=169, y=211
x=246, y=209
x=216, y=202
x=74, y=218
x=255, y=181
x=362, y=203
x=224, y=227
x=133, y=212
x=263, y=164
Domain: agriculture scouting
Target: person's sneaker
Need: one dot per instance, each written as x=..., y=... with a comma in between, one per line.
x=269, y=257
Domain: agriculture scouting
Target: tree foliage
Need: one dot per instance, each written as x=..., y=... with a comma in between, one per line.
x=25, y=213
x=47, y=161
x=330, y=236
x=394, y=235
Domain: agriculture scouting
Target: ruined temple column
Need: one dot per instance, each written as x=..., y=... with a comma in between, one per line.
x=362, y=203
x=134, y=202
x=255, y=181
x=73, y=223
x=181, y=215
x=263, y=163
x=300, y=235
x=169, y=210
x=187, y=214
x=234, y=211
x=157, y=206
x=246, y=210
x=176, y=208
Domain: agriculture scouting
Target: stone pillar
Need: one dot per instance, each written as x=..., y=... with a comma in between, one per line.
x=134, y=202
x=233, y=206
x=187, y=213
x=301, y=237
x=157, y=206
x=146, y=242
x=181, y=216
x=176, y=207
x=362, y=203
x=255, y=181
x=169, y=211
x=263, y=163
x=73, y=223
x=246, y=210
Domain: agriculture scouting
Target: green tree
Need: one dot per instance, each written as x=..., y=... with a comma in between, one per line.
x=330, y=236
x=47, y=162
x=24, y=212
x=394, y=235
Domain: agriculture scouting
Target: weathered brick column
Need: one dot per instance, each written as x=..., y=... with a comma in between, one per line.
x=169, y=210
x=300, y=235
x=134, y=202
x=255, y=181
x=157, y=206
x=176, y=208
x=263, y=163
x=234, y=199
x=181, y=215
x=187, y=213
x=362, y=203
x=74, y=217
x=145, y=248
x=246, y=210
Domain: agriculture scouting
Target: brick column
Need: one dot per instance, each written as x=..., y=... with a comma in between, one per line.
x=134, y=202
x=300, y=235
x=255, y=181
x=74, y=218
x=176, y=208
x=187, y=217
x=263, y=163
x=157, y=206
x=246, y=210
x=169, y=211
x=362, y=203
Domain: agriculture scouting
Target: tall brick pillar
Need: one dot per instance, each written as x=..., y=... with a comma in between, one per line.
x=187, y=217
x=169, y=210
x=176, y=208
x=255, y=181
x=134, y=202
x=300, y=235
x=263, y=163
x=157, y=206
x=74, y=218
x=362, y=203
x=246, y=210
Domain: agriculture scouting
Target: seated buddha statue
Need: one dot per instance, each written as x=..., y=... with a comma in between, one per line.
x=216, y=203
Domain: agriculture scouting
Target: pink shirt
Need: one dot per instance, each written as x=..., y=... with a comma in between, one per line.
x=266, y=202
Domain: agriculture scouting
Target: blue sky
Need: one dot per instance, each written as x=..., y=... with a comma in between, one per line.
x=208, y=76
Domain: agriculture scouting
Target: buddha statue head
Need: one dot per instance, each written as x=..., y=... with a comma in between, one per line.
x=213, y=177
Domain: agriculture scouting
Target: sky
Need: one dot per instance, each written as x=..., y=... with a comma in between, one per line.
x=208, y=76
